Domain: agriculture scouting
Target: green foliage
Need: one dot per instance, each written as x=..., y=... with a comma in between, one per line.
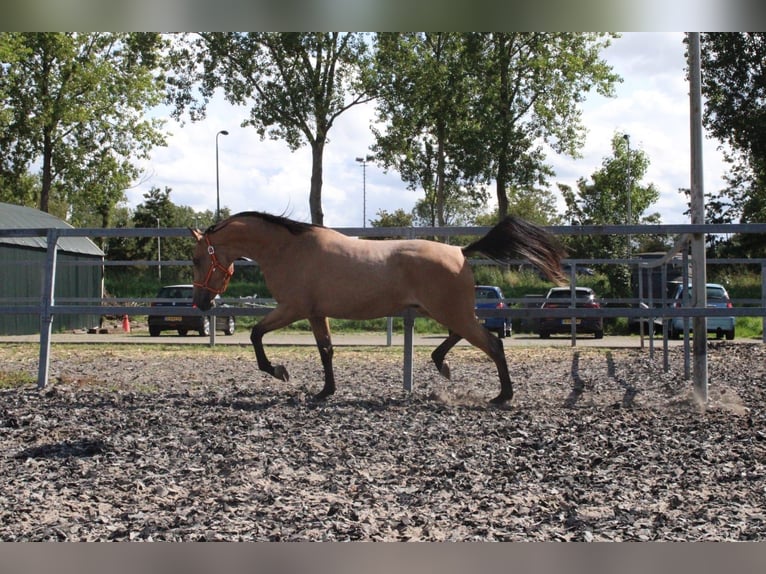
x=75, y=105
x=297, y=84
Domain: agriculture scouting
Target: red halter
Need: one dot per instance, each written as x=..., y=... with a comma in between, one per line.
x=216, y=266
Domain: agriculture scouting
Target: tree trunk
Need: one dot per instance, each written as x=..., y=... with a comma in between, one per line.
x=315, y=195
x=501, y=183
x=47, y=177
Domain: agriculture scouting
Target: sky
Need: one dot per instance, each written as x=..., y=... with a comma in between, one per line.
x=651, y=106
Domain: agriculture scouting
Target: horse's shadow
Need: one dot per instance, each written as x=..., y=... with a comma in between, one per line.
x=80, y=448
x=579, y=385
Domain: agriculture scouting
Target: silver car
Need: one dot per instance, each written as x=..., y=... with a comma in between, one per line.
x=717, y=297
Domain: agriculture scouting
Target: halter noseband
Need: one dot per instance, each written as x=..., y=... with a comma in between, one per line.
x=216, y=266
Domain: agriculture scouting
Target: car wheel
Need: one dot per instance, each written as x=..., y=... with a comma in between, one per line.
x=599, y=334
x=674, y=333
x=730, y=335
x=154, y=332
x=229, y=330
x=182, y=332
x=500, y=333
x=545, y=335
x=205, y=330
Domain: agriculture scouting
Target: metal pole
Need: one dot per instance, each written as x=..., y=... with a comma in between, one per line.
x=46, y=313
x=363, y=161
x=159, y=254
x=630, y=191
x=217, y=186
x=699, y=262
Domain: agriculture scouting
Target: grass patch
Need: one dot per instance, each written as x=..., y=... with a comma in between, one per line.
x=15, y=379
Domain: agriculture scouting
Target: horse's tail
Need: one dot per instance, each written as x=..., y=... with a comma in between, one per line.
x=514, y=237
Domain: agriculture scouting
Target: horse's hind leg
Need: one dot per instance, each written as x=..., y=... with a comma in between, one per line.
x=479, y=337
x=321, y=328
x=441, y=351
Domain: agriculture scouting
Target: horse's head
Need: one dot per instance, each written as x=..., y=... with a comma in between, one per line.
x=212, y=271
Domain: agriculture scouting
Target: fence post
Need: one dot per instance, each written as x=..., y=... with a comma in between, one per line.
x=763, y=300
x=46, y=311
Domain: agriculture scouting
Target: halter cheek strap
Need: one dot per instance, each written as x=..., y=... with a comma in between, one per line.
x=216, y=266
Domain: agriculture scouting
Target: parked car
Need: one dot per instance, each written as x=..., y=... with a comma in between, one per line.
x=181, y=296
x=717, y=297
x=560, y=297
x=491, y=297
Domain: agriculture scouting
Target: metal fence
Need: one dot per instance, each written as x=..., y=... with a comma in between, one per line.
x=643, y=308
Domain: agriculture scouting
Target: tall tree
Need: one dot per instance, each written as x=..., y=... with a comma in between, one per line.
x=296, y=84
x=531, y=85
x=734, y=87
x=76, y=105
x=424, y=92
x=604, y=201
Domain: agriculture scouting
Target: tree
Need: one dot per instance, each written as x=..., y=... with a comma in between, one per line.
x=604, y=202
x=424, y=93
x=734, y=87
x=76, y=105
x=297, y=85
x=530, y=86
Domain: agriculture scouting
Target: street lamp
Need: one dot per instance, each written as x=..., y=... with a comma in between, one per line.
x=626, y=137
x=217, y=187
x=363, y=161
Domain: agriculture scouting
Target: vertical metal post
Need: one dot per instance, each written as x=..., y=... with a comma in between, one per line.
x=409, y=329
x=212, y=330
x=641, y=301
x=699, y=262
x=46, y=311
x=390, y=330
x=763, y=301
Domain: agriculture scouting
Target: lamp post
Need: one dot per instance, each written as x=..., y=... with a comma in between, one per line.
x=159, y=254
x=217, y=187
x=363, y=161
x=630, y=189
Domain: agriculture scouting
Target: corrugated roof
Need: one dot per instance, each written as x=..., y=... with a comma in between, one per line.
x=20, y=217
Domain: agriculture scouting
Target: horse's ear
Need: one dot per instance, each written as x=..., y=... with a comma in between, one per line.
x=196, y=233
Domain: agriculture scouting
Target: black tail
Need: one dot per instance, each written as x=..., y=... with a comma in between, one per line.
x=515, y=238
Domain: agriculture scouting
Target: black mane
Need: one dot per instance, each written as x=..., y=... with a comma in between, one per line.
x=294, y=227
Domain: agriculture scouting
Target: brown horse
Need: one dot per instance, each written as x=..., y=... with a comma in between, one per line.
x=314, y=273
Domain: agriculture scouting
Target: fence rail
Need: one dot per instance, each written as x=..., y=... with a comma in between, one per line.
x=48, y=307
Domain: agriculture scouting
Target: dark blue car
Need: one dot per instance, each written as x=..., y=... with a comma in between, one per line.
x=491, y=297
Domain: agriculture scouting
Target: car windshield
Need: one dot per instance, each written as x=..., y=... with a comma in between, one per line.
x=715, y=293
x=486, y=294
x=175, y=293
x=566, y=294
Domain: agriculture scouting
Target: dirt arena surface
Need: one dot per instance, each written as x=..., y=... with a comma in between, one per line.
x=175, y=443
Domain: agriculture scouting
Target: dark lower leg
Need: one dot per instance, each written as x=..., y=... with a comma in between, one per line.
x=278, y=371
x=321, y=329
x=441, y=351
x=498, y=356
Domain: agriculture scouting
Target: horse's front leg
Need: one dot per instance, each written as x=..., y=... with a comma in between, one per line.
x=321, y=328
x=278, y=318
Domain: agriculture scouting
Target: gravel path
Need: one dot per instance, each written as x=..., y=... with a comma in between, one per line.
x=181, y=444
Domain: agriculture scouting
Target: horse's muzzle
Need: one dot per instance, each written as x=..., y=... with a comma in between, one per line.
x=202, y=299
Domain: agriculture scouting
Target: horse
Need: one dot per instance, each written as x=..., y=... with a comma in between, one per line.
x=315, y=273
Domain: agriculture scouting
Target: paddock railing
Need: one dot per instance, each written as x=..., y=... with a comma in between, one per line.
x=644, y=308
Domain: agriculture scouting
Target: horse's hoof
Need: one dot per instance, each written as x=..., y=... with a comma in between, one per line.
x=320, y=397
x=281, y=373
x=501, y=399
x=444, y=371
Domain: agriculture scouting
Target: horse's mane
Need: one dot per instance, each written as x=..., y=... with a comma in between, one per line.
x=294, y=227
